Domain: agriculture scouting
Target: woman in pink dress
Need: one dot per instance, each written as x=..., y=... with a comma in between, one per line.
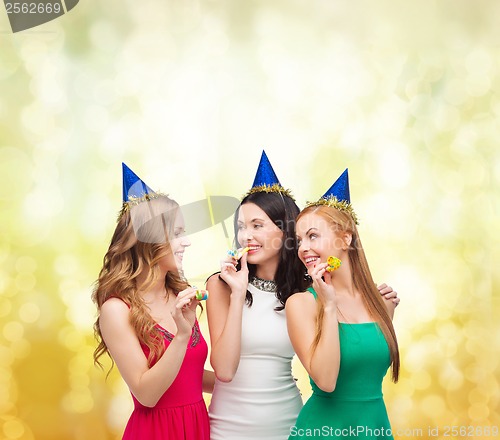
x=147, y=319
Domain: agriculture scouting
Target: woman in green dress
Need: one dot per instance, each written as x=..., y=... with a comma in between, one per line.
x=340, y=328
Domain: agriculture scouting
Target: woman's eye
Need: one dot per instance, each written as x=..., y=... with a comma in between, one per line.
x=257, y=226
x=313, y=236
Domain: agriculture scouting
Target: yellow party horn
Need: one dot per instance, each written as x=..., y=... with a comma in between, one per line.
x=237, y=254
x=333, y=263
x=201, y=294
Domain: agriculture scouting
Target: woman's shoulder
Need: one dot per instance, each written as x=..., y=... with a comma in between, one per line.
x=214, y=282
x=114, y=317
x=114, y=306
x=300, y=298
x=214, y=277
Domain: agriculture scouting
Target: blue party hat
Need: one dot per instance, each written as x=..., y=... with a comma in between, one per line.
x=265, y=174
x=338, y=196
x=135, y=190
x=340, y=189
x=266, y=179
x=133, y=186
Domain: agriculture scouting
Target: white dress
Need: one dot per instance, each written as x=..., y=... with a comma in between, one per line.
x=262, y=401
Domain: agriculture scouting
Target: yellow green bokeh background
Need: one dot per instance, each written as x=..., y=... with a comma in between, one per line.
x=187, y=93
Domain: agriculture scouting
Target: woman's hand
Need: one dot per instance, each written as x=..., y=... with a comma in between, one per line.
x=388, y=293
x=237, y=280
x=322, y=284
x=184, y=312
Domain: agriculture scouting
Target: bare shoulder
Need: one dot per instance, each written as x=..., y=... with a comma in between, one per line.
x=216, y=286
x=301, y=310
x=114, y=304
x=114, y=308
x=300, y=301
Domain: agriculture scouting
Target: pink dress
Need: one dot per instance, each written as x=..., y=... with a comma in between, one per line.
x=180, y=414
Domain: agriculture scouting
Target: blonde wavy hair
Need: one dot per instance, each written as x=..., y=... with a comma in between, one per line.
x=361, y=278
x=140, y=241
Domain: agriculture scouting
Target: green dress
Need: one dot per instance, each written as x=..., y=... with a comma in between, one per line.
x=355, y=409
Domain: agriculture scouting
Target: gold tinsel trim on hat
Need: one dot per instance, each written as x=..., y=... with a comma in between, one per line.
x=274, y=188
x=341, y=205
x=134, y=201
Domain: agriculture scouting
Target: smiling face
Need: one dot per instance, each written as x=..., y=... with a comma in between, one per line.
x=160, y=231
x=178, y=243
x=257, y=231
x=318, y=240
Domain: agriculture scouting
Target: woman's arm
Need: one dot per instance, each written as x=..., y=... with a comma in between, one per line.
x=146, y=384
x=224, y=312
x=322, y=365
x=208, y=381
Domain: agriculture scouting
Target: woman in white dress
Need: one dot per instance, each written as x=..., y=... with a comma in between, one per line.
x=255, y=395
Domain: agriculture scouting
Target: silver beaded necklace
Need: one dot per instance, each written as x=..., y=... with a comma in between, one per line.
x=265, y=285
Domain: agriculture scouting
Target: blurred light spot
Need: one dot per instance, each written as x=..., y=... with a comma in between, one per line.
x=479, y=61
x=433, y=406
x=25, y=282
x=37, y=120
x=46, y=172
x=71, y=339
x=474, y=172
x=5, y=307
x=451, y=378
x=420, y=105
x=6, y=356
x=6, y=382
x=96, y=118
x=416, y=356
x=26, y=264
x=477, y=396
x=474, y=372
x=215, y=43
x=478, y=412
x=42, y=204
x=80, y=362
x=450, y=181
x=447, y=215
x=415, y=87
x=104, y=37
x=394, y=165
x=29, y=312
x=66, y=264
x=13, y=331
x=119, y=409
x=95, y=217
x=21, y=348
x=78, y=401
x=478, y=85
x=421, y=380
x=81, y=311
x=447, y=118
x=464, y=144
x=15, y=163
x=490, y=386
x=9, y=64
x=420, y=306
x=68, y=288
x=403, y=404
x=13, y=429
x=5, y=250
x=79, y=380
x=454, y=92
